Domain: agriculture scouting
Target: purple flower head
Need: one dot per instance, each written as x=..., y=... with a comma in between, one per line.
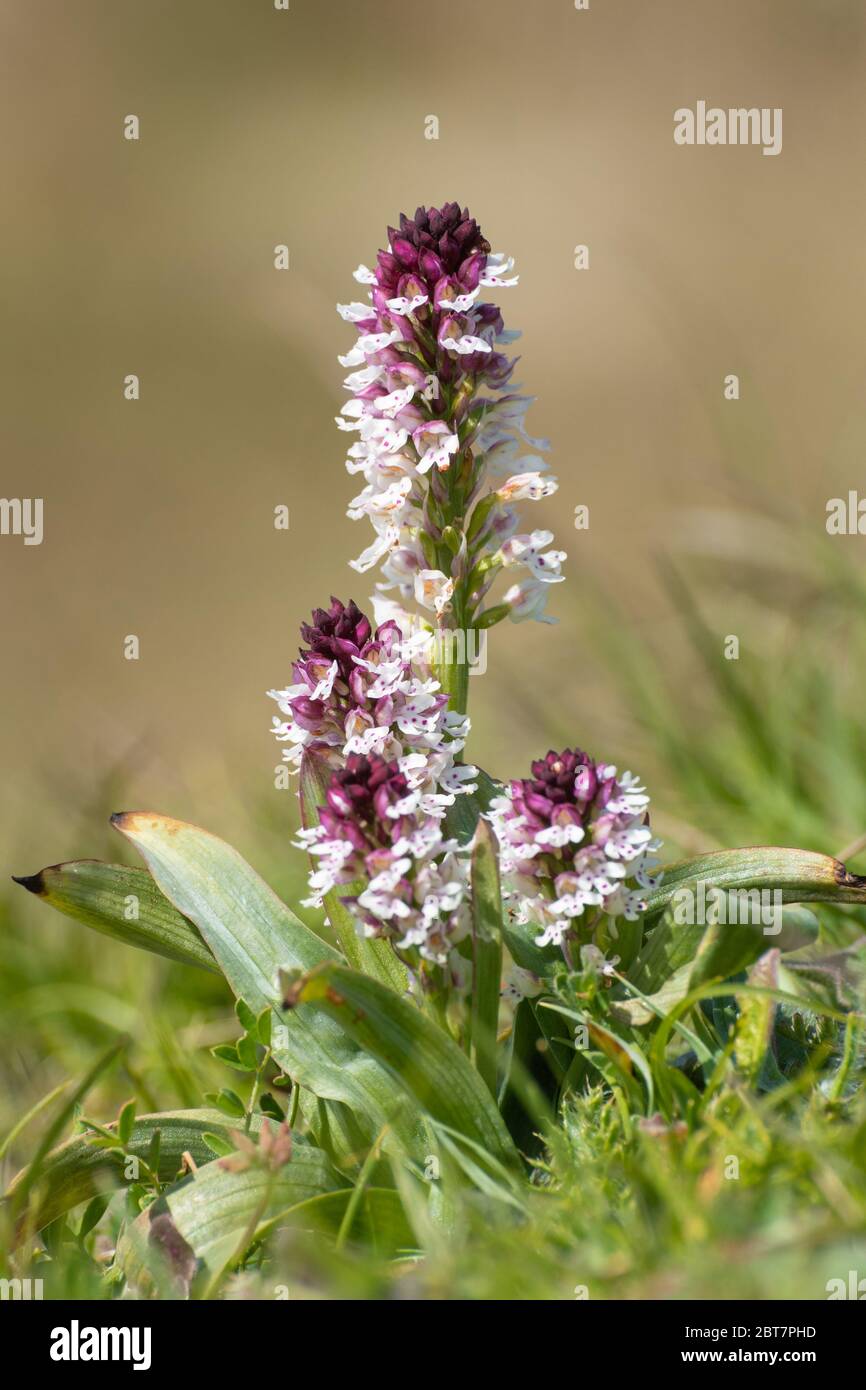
x=339, y=632
x=359, y=692
x=432, y=422
x=435, y=243
x=362, y=803
x=374, y=827
x=575, y=835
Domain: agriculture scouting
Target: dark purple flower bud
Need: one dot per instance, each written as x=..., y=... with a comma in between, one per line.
x=406, y=253
x=431, y=266
x=308, y=713
x=585, y=783
x=470, y=271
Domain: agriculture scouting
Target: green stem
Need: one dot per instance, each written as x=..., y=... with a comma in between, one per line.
x=453, y=676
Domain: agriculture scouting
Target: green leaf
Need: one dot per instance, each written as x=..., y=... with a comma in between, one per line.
x=755, y=1022
x=126, y=1122
x=247, y=1054
x=219, y=1212
x=230, y=1103
x=668, y=948
x=269, y=1107
x=253, y=935
x=375, y=958
x=103, y=896
x=725, y=950
x=379, y=1220
x=420, y=1056
x=615, y=1057
x=263, y=1027
x=218, y=1143
x=246, y=1017
x=227, y=1053
x=462, y=818
x=93, y=1215
x=487, y=954
x=662, y=969
x=78, y=1171
x=800, y=875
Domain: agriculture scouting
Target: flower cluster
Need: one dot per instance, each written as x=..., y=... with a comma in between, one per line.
x=377, y=829
x=440, y=441
x=574, y=836
x=434, y=417
x=357, y=692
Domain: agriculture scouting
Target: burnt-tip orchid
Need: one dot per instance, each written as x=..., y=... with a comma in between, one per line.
x=441, y=437
x=575, y=846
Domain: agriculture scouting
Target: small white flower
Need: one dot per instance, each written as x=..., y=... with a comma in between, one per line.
x=354, y=313
x=526, y=600
x=369, y=343
x=375, y=550
x=467, y=343
x=527, y=486
x=392, y=404
x=496, y=270
x=433, y=589
x=368, y=376
x=435, y=443
x=401, y=305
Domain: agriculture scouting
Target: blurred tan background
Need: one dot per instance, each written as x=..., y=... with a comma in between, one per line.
x=307, y=127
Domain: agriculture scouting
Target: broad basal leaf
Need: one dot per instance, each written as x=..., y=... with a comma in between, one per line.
x=253, y=935
x=219, y=1212
x=121, y=903
x=420, y=1056
x=800, y=875
x=77, y=1171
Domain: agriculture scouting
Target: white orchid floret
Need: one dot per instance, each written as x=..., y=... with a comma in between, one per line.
x=507, y=414
x=367, y=376
x=355, y=312
x=527, y=601
x=557, y=836
x=527, y=550
x=382, y=436
x=458, y=303
x=364, y=275
x=395, y=402
x=457, y=777
x=495, y=273
x=353, y=358
x=530, y=486
x=370, y=343
x=385, y=541
x=403, y=306
x=518, y=984
x=466, y=343
x=434, y=590
x=436, y=442
x=372, y=503
x=375, y=738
